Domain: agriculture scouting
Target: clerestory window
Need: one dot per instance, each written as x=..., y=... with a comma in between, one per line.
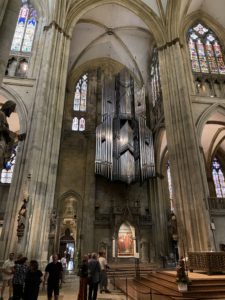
x=22, y=41
x=79, y=103
x=218, y=178
x=205, y=51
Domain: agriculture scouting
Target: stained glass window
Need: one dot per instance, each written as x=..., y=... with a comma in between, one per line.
x=78, y=124
x=25, y=29
x=80, y=102
x=205, y=51
x=80, y=96
x=218, y=178
x=7, y=172
x=75, y=125
x=82, y=124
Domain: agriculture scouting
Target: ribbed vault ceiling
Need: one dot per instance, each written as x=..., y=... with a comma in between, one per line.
x=112, y=31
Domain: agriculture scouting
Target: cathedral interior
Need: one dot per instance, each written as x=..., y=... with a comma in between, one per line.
x=123, y=107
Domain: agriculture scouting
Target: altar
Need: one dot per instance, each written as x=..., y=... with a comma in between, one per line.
x=210, y=262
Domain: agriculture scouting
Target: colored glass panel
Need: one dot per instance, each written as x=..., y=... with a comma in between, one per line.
x=7, y=172
x=76, y=105
x=75, y=124
x=211, y=58
x=29, y=35
x=82, y=124
x=201, y=29
x=218, y=178
x=193, y=56
x=202, y=58
x=210, y=38
x=219, y=57
x=194, y=36
x=25, y=30
x=80, y=97
x=20, y=29
x=208, y=58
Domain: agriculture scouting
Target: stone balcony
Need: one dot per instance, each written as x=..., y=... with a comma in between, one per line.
x=216, y=203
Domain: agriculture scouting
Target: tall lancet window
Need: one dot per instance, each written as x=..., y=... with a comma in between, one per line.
x=25, y=29
x=218, y=178
x=205, y=51
x=170, y=186
x=22, y=41
x=80, y=95
x=79, y=103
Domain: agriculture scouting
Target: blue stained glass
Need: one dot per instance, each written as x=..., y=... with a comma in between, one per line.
x=25, y=30
x=7, y=172
x=193, y=36
x=29, y=35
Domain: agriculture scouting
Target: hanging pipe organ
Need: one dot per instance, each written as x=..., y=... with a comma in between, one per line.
x=124, y=144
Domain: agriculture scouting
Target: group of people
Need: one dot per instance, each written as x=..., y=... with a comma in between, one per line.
x=92, y=272
x=22, y=279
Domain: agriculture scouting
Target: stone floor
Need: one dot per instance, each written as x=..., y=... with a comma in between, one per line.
x=70, y=288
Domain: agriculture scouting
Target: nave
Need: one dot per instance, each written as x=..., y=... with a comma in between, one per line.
x=70, y=290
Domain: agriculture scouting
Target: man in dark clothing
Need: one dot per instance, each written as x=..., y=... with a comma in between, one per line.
x=94, y=276
x=53, y=275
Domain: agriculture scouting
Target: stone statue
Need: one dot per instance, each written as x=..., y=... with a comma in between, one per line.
x=22, y=218
x=8, y=139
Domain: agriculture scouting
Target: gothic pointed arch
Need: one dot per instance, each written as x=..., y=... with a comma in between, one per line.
x=200, y=16
x=216, y=107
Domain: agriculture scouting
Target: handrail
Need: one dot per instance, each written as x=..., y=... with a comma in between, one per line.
x=152, y=291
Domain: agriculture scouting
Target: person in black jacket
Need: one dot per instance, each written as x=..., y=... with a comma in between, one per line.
x=94, y=270
x=53, y=275
x=32, y=281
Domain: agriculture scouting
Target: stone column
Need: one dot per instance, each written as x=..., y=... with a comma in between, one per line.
x=8, y=18
x=43, y=137
x=184, y=153
x=3, y=4
x=87, y=242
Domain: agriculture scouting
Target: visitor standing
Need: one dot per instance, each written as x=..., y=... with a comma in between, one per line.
x=83, y=273
x=93, y=276
x=53, y=275
x=7, y=275
x=32, y=281
x=20, y=271
x=103, y=274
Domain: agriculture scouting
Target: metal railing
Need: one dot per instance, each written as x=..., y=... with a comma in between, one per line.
x=138, y=290
x=148, y=293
